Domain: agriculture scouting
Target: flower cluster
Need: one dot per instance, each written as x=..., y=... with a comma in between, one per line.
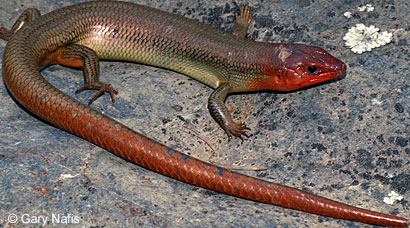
x=361, y=38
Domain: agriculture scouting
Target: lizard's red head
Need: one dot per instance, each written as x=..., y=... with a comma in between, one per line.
x=298, y=66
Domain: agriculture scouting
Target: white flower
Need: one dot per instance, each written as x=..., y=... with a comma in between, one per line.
x=367, y=7
x=348, y=14
x=361, y=8
x=361, y=38
x=393, y=196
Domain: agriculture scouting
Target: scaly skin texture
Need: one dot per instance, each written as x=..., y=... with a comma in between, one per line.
x=82, y=34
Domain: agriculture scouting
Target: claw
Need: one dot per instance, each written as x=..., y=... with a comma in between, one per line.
x=244, y=17
x=238, y=130
x=101, y=89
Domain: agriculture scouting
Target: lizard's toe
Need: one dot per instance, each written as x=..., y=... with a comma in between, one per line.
x=237, y=129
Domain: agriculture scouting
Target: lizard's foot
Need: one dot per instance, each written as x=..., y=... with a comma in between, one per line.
x=101, y=87
x=237, y=130
x=244, y=18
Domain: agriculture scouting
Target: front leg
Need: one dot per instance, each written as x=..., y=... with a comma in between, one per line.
x=242, y=22
x=218, y=110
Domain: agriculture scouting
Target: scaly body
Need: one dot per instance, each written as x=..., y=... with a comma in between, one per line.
x=82, y=34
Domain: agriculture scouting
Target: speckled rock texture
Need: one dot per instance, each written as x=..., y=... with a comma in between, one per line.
x=347, y=140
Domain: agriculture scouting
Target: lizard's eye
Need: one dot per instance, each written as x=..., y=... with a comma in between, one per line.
x=312, y=69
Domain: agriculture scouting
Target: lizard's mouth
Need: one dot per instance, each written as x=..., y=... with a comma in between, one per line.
x=321, y=78
x=324, y=74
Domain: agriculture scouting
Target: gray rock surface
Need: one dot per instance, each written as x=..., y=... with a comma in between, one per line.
x=347, y=140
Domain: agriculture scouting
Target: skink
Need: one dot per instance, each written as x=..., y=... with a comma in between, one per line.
x=82, y=34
